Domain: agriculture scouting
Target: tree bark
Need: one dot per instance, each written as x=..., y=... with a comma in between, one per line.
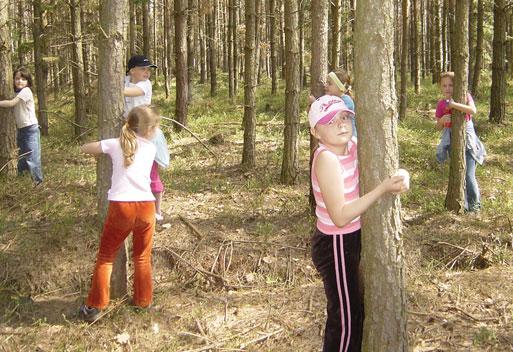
x=335, y=34
x=146, y=28
x=41, y=67
x=132, y=41
x=404, y=61
x=192, y=10
x=229, y=34
x=249, y=121
x=415, y=60
x=290, y=161
x=111, y=72
x=7, y=122
x=471, y=39
x=274, y=53
x=455, y=197
x=437, y=69
x=319, y=64
x=212, y=47
x=499, y=74
x=382, y=247
x=181, y=107
x=78, y=71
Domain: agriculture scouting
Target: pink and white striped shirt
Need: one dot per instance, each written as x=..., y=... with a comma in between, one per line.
x=349, y=166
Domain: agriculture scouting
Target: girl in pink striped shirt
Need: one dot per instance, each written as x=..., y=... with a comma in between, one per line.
x=336, y=240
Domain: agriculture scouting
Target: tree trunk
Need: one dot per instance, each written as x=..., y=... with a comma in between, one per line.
x=132, y=41
x=274, y=58
x=249, y=121
x=146, y=27
x=471, y=39
x=8, y=149
x=415, y=61
x=229, y=34
x=78, y=70
x=319, y=64
x=455, y=197
x=382, y=247
x=404, y=61
x=41, y=66
x=190, y=47
x=290, y=161
x=303, y=80
x=335, y=34
x=499, y=74
x=212, y=47
x=203, y=52
x=437, y=69
x=111, y=72
x=236, y=5
x=181, y=62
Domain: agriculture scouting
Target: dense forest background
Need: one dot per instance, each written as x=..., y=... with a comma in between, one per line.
x=232, y=266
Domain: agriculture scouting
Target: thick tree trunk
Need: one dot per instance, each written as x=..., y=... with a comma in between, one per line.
x=319, y=64
x=78, y=70
x=7, y=122
x=455, y=197
x=499, y=74
x=382, y=247
x=111, y=71
x=404, y=61
x=181, y=107
x=249, y=121
x=41, y=67
x=290, y=162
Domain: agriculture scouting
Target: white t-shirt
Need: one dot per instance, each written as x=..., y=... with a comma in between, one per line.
x=130, y=184
x=132, y=102
x=25, y=110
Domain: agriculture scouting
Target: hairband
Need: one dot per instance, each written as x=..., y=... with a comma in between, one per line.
x=337, y=81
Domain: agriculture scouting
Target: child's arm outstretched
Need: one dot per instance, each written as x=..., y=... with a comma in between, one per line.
x=331, y=182
x=93, y=148
x=469, y=108
x=10, y=103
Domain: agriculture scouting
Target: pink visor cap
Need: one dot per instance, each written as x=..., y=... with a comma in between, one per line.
x=324, y=109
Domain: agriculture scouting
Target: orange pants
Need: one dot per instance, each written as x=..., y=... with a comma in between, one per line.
x=123, y=218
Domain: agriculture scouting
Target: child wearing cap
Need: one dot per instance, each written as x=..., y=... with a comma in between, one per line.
x=138, y=91
x=336, y=240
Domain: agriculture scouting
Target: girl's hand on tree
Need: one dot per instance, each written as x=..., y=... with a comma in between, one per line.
x=395, y=184
x=446, y=118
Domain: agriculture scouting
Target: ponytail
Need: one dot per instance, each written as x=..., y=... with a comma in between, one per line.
x=141, y=120
x=128, y=142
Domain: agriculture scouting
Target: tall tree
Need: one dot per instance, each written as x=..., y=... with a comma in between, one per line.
x=290, y=161
x=471, y=39
x=212, y=48
x=414, y=46
x=41, y=67
x=476, y=70
x=111, y=52
x=191, y=15
x=404, y=61
x=229, y=34
x=499, y=72
x=319, y=63
x=455, y=197
x=7, y=123
x=274, y=51
x=249, y=120
x=78, y=69
x=437, y=62
x=382, y=248
x=180, y=7
x=335, y=33
x=146, y=28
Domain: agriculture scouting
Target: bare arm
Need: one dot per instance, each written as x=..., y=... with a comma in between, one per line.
x=133, y=92
x=93, y=148
x=440, y=123
x=467, y=109
x=331, y=182
x=9, y=103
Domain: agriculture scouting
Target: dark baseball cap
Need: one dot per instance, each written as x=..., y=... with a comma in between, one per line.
x=139, y=61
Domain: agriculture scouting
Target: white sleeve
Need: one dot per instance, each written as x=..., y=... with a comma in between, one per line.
x=146, y=87
x=26, y=95
x=107, y=145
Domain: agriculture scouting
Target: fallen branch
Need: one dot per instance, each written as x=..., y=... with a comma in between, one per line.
x=199, y=270
x=193, y=228
x=261, y=339
x=106, y=312
x=192, y=133
x=14, y=159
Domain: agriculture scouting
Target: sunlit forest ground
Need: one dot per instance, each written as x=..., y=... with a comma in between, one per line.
x=232, y=266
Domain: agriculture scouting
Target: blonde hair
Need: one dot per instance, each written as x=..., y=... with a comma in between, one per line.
x=344, y=77
x=447, y=75
x=140, y=121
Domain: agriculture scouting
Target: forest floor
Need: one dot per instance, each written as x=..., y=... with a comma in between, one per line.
x=232, y=267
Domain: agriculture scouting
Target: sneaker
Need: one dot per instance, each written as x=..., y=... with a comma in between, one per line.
x=89, y=314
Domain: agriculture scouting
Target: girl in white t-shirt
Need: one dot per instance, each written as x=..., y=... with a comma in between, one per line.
x=28, y=137
x=131, y=209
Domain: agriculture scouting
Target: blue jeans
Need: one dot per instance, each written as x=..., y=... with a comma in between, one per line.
x=472, y=195
x=28, y=139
